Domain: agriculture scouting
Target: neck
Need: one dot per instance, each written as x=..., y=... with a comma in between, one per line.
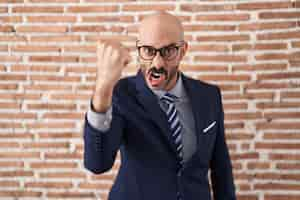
x=172, y=82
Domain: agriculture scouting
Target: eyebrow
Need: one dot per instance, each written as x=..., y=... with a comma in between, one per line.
x=169, y=45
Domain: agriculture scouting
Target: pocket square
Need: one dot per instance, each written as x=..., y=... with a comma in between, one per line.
x=209, y=127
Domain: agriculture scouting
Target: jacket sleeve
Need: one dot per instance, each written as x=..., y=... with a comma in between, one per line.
x=101, y=147
x=221, y=168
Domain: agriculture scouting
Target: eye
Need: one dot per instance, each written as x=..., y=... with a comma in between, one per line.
x=147, y=51
x=169, y=51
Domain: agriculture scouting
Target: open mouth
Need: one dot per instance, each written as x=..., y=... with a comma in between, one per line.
x=157, y=77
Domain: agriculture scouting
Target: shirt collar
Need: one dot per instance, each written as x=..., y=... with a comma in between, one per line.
x=177, y=90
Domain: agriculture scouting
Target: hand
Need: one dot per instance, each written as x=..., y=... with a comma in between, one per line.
x=112, y=58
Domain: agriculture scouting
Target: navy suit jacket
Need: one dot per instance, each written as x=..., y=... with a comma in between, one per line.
x=149, y=168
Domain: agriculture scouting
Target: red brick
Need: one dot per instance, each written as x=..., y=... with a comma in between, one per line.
x=202, y=8
x=266, y=26
x=11, y=1
x=149, y=7
x=42, y=29
x=260, y=67
x=119, y=38
x=223, y=38
x=9, y=105
x=6, y=28
x=51, y=106
x=70, y=194
x=12, y=38
x=277, y=186
x=62, y=38
x=35, y=48
x=243, y=116
x=288, y=166
x=284, y=156
x=273, y=146
x=70, y=96
x=53, y=165
x=10, y=19
x=245, y=156
x=296, y=44
x=54, y=78
x=281, y=136
x=53, y=115
x=20, y=194
x=222, y=58
x=272, y=56
x=38, y=9
x=63, y=156
x=281, y=197
x=258, y=165
x=282, y=115
x=51, y=19
x=50, y=125
x=46, y=145
x=62, y=175
x=209, y=27
x=48, y=185
x=92, y=9
x=7, y=58
x=12, y=77
x=9, y=183
x=16, y=173
x=277, y=125
x=287, y=95
x=239, y=136
x=215, y=68
x=54, y=59
x=54, y=1
x=86, y=28
x=16, y=136
x=264, y=5
x=279, y=35
x=3, y=48
x=122, y=18
x=279, y=75
x=224, y=17
x=80, y=70
x=271, y=86
x=98, y=186
x=48, y=87
x=279, y=15
x=63, y=135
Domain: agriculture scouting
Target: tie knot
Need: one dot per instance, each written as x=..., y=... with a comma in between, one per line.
x=168, y=98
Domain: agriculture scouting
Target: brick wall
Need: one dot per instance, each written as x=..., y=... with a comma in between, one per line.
x=251, y=49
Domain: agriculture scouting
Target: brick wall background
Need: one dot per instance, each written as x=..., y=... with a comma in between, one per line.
x=47, y=71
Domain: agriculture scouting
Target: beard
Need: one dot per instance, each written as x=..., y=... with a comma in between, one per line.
x=159, y=78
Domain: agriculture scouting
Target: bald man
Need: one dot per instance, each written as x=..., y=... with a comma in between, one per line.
x=168, y=127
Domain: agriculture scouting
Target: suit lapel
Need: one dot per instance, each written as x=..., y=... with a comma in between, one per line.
x=151, y=105
x=198, y=104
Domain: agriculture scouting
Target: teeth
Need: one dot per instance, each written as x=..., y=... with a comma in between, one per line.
x=155, y=75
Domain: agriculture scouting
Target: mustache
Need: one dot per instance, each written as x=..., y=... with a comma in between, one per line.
x=160, y=70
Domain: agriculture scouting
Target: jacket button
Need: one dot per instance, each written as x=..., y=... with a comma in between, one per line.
x=179, y=174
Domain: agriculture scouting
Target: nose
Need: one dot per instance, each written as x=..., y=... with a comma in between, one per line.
x=158, y=61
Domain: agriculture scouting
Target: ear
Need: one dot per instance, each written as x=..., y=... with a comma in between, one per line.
x=184, y=49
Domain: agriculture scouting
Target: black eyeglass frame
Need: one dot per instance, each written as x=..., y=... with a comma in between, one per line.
x=160, y=50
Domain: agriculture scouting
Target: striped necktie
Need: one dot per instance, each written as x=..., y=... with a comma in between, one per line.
x=174, y=123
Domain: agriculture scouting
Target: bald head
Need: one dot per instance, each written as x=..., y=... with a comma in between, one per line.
x=160, y=29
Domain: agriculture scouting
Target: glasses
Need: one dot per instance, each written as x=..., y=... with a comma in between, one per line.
x=167, y=53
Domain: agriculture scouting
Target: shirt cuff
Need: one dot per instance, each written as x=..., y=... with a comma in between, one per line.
x=98, y=120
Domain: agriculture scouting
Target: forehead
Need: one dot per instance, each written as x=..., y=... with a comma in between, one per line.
x=157, y=41
x=158, y=34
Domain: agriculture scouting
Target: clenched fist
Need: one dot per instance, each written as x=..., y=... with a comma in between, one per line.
x=112, y=58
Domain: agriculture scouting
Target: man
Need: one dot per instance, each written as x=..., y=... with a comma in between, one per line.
x=169, y=128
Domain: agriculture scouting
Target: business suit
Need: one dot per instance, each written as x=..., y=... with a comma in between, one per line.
x=149, y=167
